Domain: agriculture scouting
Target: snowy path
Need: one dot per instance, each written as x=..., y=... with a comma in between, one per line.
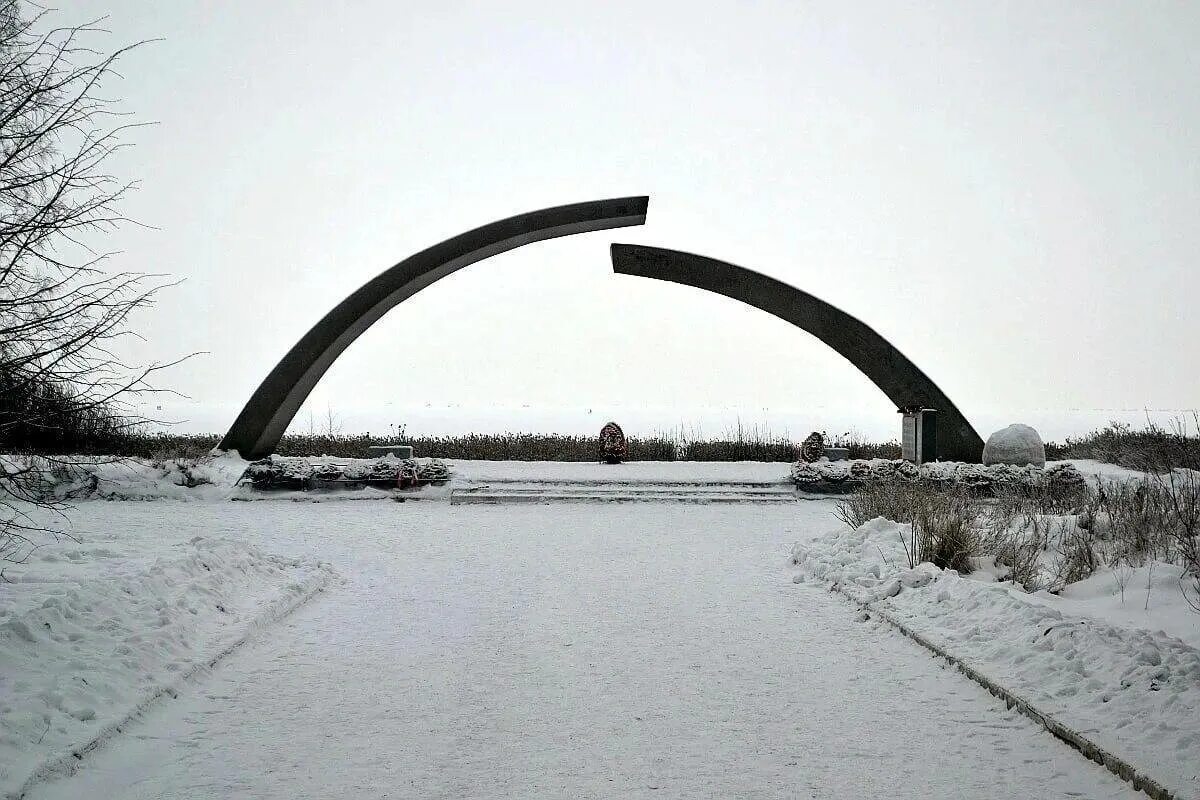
x=571, y=651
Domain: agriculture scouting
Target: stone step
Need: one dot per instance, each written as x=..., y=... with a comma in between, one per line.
x=628, y=488
x=487, y=495
x=674, y=484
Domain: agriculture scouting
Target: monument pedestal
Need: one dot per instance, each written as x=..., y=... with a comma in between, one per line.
x=918, y=435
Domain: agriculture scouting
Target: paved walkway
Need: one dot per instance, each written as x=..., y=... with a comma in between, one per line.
x=574, y=651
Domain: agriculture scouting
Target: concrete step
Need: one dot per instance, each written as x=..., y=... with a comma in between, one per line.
x=651, y=489
x=517, y=492
x=499, y=498
x=674, y=484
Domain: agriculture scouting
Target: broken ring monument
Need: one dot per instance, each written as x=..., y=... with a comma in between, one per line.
x=270, y=410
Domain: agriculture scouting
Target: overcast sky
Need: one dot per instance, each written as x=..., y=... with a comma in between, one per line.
x=1009, y=192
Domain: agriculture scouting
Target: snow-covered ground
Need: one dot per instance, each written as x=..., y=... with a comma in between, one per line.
x=111, y=478
x=590, y=650
x=1125, y=672
x=656, y=650
x=91, y=630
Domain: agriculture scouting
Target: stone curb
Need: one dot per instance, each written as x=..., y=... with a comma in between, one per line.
x=1115, y=764
x=67, y=762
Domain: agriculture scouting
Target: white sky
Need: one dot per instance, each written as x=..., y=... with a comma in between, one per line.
x=1009, y=192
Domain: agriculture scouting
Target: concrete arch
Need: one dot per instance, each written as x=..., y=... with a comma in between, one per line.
x=271, y=408
x=874, y=356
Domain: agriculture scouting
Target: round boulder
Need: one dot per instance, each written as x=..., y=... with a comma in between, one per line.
x=1017, y=444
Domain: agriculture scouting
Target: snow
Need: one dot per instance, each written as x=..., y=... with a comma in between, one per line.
x=594, y=650
x=1015, y=444
x=1149, y=597
x=1113, y=673
x=1102, y=469
x=114, y=478
x=565, y=651
x=90, y=630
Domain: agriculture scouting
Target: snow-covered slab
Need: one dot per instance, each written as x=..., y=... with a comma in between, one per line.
x=632, y=471
x=1101, y=469
x=92, y=631
x=1127, y=685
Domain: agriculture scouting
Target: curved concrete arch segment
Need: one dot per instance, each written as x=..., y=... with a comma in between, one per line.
x=271, y=408
x=875, y=357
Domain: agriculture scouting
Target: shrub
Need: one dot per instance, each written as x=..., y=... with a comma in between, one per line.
x=1019, y=547
x=859, y=447
x=888, y=499
x=1078, y=557
x=102, y=436
x=1152, y=449
x=1139, y=520
x=738, y=450
x=943, y=523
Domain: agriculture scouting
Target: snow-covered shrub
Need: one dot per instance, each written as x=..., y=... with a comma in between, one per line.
x=942, y=520
x=1078, y=557
x=1043, y=551
x=946, y=532
x=1063, y=485
x=1019, y=547
x=1140, y=517
x=1153, y=449
x=887, y=499
x=1050, y=539
x=1185, y=506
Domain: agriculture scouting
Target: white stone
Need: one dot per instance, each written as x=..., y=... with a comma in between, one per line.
x=1017, y=444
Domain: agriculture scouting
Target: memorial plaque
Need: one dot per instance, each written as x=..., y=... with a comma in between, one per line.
x=908, y=437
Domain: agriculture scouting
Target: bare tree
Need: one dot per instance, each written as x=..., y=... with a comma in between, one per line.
x=62, y=314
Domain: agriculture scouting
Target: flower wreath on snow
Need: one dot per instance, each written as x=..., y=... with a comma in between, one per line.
x=613, y=447
x=835, y=477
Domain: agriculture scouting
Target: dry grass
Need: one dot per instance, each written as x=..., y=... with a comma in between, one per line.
x=945, y=529
x=944, y=522
x=860, y=447
x=737, y=444
x=1047, y=541
x=1116, y=524
x=1152, y=449
x=888, y=499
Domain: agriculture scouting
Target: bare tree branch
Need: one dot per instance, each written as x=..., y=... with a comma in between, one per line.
x=63, y=385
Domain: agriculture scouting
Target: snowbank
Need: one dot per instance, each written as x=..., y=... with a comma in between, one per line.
x=1123, y=682
x=89, y=636
x=116, y=478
